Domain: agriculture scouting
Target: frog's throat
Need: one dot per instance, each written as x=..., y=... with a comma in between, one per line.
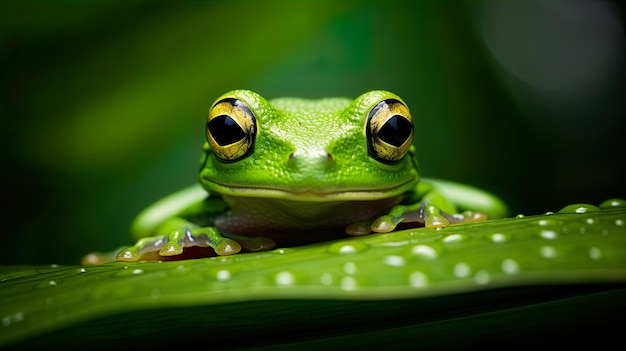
x=310, y=194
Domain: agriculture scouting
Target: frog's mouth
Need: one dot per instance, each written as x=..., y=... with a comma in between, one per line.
x=309, y=193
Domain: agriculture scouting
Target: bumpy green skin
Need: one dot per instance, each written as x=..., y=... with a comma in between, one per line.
x=581, y=244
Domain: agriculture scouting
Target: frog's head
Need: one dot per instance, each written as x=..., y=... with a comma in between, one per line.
x=332, y=149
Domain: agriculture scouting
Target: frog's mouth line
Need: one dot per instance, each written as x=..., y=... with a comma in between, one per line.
x=310, y=194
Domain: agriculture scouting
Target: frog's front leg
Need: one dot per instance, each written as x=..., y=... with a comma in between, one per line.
x=174, y=242
x=187, y=234
x=422, y=212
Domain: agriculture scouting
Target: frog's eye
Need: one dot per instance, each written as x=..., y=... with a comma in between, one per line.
x=231, y=130
x=389, y=131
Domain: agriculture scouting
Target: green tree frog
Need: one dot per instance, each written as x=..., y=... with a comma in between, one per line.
x=292, y=171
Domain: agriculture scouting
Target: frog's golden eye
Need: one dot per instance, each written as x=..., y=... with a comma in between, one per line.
x=231, y=130
x=389, y=131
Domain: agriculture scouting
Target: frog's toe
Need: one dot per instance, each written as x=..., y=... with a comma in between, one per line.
x=384, y=224
x=171, y=248
x=252, y=243
x=436, y=221
x=258, y=244
x=144, y=245
x=226, y=247
x=359, y=228
x=130, y=254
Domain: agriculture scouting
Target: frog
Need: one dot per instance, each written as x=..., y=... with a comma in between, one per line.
x=292, y=171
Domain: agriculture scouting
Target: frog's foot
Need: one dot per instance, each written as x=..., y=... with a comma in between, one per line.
x=431, y=216
x=174, y=243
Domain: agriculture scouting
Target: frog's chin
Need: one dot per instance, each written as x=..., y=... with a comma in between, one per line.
x=310, y=194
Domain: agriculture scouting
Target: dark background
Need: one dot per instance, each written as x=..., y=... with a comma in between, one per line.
x=104, y=102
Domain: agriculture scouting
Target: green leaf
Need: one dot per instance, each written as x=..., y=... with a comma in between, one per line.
x=387, y=284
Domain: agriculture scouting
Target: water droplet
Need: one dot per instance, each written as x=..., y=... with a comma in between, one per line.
x=16, y=317
x=350, y=268
x=326, y=279
x=223, y=275
x=455, y=238
x=424, y=251
x=595, y=253
x=83, y=270
x=47, y=284
x=549, y=213
x=461, y=270
x=519, y=216
x=498, y=237
x=590, y=221
x=579, y=208
x=546, y=222
x=284, y=278
x=547, y=252
x=619, y=222
x=394, y=261
x=126, y=272
x=54, y=265
x=481, y=277
x=548, y=234
x=348, y=283
x=418, y=279
x=509, y=266
x=283, y=251
x=348, y=247
x=612, y=203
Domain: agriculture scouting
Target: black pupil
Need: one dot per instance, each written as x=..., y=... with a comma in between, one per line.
x=396, y=130
x=225, y=130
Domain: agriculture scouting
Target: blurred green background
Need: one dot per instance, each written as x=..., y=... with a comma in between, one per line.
x=104, y=102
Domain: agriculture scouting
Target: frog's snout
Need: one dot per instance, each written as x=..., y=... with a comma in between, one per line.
x=317, y=159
